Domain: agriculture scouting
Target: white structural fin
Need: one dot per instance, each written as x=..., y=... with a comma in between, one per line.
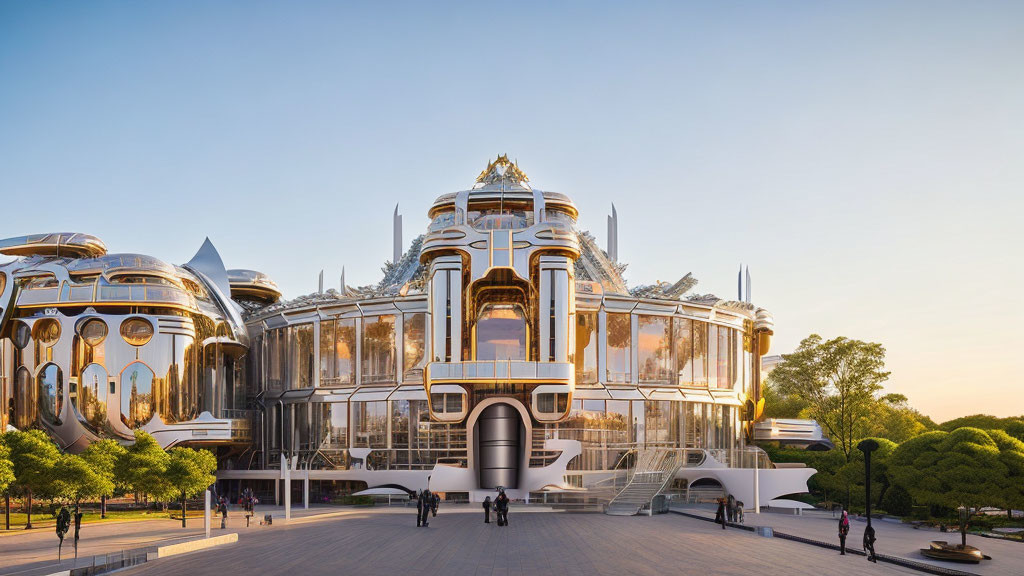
x=320, y=284
x=397, y=224
x=344, y=291
x=208, y=261
x=748, y=284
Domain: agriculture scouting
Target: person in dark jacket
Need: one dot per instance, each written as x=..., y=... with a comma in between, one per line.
x=869, y=543
x=720, y=513
x=487, y=510
x=419, y=509
x=427, y=498
x=502, y=504
x=730, y=508
x=844, y=531
x=435, y=501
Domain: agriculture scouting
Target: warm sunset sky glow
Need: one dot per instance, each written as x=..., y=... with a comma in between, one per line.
x=866, y=160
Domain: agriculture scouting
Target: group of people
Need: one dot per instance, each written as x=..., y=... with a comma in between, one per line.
x=729, y=510
x=500, y=507
x=868, y=542
x=426, y=505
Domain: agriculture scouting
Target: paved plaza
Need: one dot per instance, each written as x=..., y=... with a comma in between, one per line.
x=328, y=540
x=537, y=541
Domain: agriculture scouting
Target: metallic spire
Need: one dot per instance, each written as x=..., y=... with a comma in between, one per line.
x=343, y=290
x=613, y=235
x=748, y=284
x=320, y=287
x=397, y=224
x=739, y=284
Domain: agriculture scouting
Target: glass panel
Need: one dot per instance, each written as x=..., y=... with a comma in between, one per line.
x=25, y=405
x=453, y=403
x=276, y=351
x=501, y=333
x=414, y=334
x=546, y=403
x=92, y=401
x=51, y=392
x=136, y=394
x=500, y=219
x=399, y=423
x=662, y=423
x=338, y=422
x=301, y=356
x=618, y=352
x=370, y=422
x=437, y=401
x=682, y=341
x=712, y=363
x=345, y=350
x=654, y=356
x=725, y=350
x=442, y=221
x=586, y=348
x=379, y=349
x=700, y=353
x=326, y=352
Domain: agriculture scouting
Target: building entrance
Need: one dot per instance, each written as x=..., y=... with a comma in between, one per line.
x=498, y=450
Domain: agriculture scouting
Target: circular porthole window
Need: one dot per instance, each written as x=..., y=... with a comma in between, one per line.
x=46, y=331
x=93, y=331
x=20, y=335
x=136, y=331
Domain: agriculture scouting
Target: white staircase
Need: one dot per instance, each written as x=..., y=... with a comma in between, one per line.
x=654, y=470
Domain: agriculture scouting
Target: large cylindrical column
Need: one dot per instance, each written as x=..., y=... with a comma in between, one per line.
x=498, y=433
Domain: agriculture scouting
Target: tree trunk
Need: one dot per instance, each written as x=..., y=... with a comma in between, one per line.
x=28, y=524
x=183, y=509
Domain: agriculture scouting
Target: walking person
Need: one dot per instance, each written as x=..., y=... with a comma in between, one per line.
x=487, y=510
x=720, y=513
x=502, y=503
x=419, y=509
x=844, y=531
x=869, y=543
x=427, y=499
x=435, y=501
x=730, y=508
x=223, y=514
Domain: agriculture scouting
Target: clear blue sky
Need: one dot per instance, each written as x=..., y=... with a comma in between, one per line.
x=865, y=159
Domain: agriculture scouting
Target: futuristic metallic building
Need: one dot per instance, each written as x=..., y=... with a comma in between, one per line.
x=502, y=348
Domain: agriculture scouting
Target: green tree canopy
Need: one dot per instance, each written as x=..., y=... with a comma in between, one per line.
x=75, y=480
x=6, y=466
x=1014, y=425
x=102, y=457
x=143, y=468
x=191, y=471
x=892, y=418
x=966, y=466
x=838, y=379
x=34, y=457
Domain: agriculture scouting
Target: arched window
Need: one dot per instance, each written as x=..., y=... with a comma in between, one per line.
x=25, y=407
x=51, y=392
x=91, y=401
x=136, y=394
x=501, y=333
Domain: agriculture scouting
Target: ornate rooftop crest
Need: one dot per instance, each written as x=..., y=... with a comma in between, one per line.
x=502, y=169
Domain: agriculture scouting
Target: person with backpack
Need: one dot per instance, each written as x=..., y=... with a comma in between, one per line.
x=844, y=531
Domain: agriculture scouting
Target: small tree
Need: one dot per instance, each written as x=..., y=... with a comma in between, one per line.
x=838, y=379
x=143, y=467
x=103, y=457
x=34, y=457
x=6, y=479
x=189, y=472
x=75, y=480
x=6, y=466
